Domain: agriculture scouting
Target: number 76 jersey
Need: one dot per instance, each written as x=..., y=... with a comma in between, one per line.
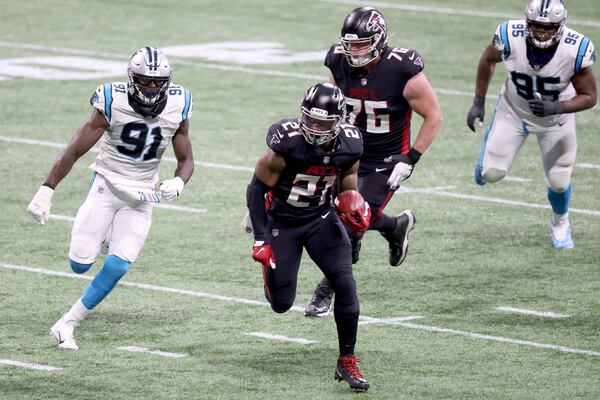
x=552, y=81
x=132, y=146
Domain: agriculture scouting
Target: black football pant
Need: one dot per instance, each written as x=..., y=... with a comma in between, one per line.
x=328, y=245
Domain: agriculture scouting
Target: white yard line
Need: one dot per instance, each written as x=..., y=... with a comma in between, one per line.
x=58, y=217
x=589, y=166
x=218, y=67
x=19, y=140
x=517, y=179
x=452, y=11
x=179, y=208
x=282, y=338
x=25, y=365
x=499, y=339
x=385, y=321
x=535, y=313
x=496, y=200
x=136, y=349
x=388, y=321
x=440, y=191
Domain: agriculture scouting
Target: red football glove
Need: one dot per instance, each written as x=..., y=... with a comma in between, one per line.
x=263, y=254
x=357, y=220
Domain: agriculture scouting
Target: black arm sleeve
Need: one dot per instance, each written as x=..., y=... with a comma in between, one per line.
x=255, y=200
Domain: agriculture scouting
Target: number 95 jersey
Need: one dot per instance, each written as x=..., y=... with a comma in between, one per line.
x=132, y=146
x=552, y=80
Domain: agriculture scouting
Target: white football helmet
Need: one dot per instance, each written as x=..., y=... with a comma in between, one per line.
x=545, y=15
x=149, y=76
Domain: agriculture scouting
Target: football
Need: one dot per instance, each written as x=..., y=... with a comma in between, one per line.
x=349, y=201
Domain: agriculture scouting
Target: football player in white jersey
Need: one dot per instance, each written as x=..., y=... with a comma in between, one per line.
x=549, y=79
x=134, y=122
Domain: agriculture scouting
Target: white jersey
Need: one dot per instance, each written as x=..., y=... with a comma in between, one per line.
x=552, y=81
x=132, y=146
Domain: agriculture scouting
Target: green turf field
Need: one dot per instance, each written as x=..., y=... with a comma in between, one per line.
x=474, y=249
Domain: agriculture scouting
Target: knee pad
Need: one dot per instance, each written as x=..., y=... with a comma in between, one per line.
x=346, y=300
x=492, y=175
x=79, y=268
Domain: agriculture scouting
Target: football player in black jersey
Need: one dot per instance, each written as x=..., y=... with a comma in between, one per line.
x=382, y=86
x=289, y=202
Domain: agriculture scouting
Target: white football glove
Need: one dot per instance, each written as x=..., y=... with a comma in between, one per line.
x=171, y=188
x=401, y=172
x=39, y=207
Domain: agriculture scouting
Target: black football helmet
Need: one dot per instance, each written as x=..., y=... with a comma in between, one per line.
x=322, y=111
x=363, y=35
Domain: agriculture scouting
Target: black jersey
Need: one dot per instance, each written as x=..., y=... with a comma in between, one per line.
x=375, y=100
x=304, y=189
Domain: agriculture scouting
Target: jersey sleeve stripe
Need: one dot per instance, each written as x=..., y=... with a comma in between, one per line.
x=107, y=100
x=186, y=108
x=504, y=33
x=583, y=46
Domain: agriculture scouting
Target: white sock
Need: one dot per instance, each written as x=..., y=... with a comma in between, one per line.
x=558, y=219
x=77, y=313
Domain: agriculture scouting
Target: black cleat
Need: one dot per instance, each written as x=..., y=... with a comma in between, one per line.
x=347, y=370
x=356, y=250
x=398, y=238
x=320, y=303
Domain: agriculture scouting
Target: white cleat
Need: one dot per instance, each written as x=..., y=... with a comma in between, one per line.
x=63, y=334
x=561, y=233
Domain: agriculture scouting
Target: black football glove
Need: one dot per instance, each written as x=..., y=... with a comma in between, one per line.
x=477, y=110
x=545, y=108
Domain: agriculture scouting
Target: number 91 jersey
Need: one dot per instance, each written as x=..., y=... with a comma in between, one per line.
x=552, y=80
x=132, y=146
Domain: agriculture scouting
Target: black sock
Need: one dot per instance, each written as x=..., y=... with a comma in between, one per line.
x=347, y=328
x=385, y=223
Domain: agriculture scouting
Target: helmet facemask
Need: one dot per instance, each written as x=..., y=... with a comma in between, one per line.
x=360, y=52
x=148, y=90
x=544, y=35
x=317, y=127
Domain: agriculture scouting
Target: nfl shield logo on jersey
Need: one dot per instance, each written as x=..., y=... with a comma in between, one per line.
x=326, y=160
x=363, y=81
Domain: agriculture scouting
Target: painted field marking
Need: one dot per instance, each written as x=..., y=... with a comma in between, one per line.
x=517, y=179
x=388, y=321
x=20, y=364
x=218, y=67
x=524, y=311
x=282, y=338
x=589, y=166
x=384, y=321
x=58, y=217
x=595, y=213
x=438, y=191
x=136, y=349
x=451, y=11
